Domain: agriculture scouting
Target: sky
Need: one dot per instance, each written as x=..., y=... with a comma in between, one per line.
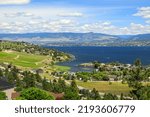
x=115, y=17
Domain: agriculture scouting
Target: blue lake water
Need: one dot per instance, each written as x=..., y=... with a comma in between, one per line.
x=105, y=54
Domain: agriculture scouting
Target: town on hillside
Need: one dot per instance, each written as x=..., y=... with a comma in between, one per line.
x=30, y=72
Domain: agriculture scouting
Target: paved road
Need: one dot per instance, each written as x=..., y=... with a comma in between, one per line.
x=9, y=92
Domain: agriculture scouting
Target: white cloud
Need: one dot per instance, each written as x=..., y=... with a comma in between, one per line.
x=5, y=2
x=101, y=27
x=143, y=12
x=148, y=21
x=65, y=20
x=66, y=25
x=139, y=28
x=74, y=14
x=19, y=14
x=61, y=25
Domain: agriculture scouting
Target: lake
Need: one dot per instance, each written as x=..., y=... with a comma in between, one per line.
x=105, y=54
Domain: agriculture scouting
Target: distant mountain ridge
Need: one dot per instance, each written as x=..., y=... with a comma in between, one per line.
x=141, y=37
x=79, y=39
x=59, y=35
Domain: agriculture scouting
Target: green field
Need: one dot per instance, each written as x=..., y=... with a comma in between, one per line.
x=22, y=59
x=29, y=61
x=106, y=87
x=61, y=68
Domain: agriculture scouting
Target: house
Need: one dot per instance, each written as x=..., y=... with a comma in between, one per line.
x=112, y=77
x=34, y=71
x=103, y=64
x=72, y=73
x=116, y=68
x=128, y=65
x=96, y=70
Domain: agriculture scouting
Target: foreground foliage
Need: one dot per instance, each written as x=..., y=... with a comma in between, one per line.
x=35, y=94
x=3, y=96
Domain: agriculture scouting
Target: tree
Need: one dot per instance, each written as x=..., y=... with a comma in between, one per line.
x=3, y=96
x=135, y=81
x=94, y=95
x=11, y=78
x=29, y=80
x=35, y=94
x=19, y=85
x=100, y=76
x=74, y=86
x=85, y=76
x=121, y=96
x=96, y=64
x=56, y=87
x=142, y=93
x=46, y=85
x=85, y=93
x=110, y=96
x=38, y=77
x=1, y=73
x=137, y=62
x=62, y=84
x=72, y=92
x=136, y=76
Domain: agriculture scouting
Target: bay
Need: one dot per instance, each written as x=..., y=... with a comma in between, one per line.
x=85, y=54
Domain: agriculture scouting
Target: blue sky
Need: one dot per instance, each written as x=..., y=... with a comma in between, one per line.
x=102, y=16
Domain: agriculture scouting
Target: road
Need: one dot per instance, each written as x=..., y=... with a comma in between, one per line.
x=9, y=92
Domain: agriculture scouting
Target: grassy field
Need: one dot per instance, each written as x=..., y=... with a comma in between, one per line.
x=61, y=68
x=29, y=61
x=105, y=87
x=22, y=59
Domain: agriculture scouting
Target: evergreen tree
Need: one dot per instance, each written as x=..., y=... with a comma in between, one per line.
x=74, y=86
x=94, y=95
x=110, y=96
x=72, y=92
x=1, y=73
x=29, y=80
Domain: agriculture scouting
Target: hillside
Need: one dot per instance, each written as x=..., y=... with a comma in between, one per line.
x=80, y=39
x=28, y=56
x=60, y=38
x=33, y=49
x=23, y=59
x=20, y=60
x=140, y=37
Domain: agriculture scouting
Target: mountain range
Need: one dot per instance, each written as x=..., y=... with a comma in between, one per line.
x=83, y=39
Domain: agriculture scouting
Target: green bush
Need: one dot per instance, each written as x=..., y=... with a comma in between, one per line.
x=35, y=94
x=3, y=96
